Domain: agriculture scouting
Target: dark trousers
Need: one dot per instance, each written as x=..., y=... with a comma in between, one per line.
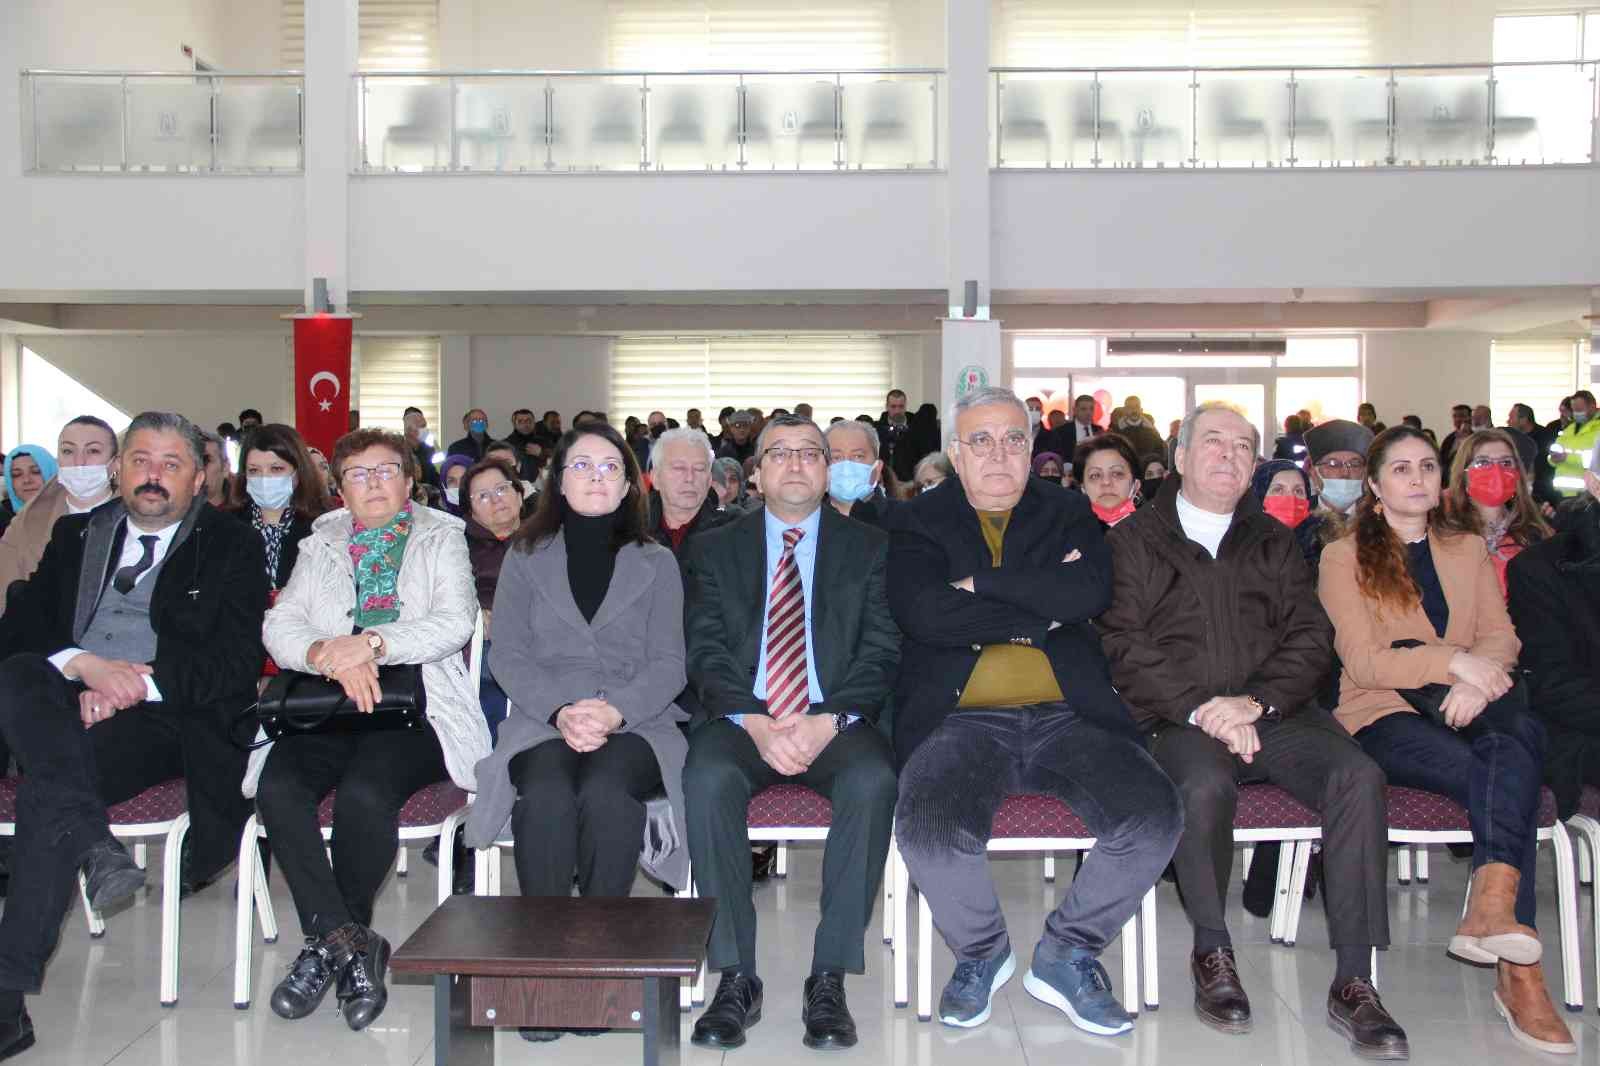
x=492, y=698
x=375, y=774
x=855, y=772
x=1311, y=757
x=581, y=811
x=1493, y=768
x=956, y=780
x=74, y=774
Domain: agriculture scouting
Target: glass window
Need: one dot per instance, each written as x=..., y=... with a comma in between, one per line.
x=1322, y=351
x=1251, y=399
x=1042, y=350
x=1054, y=392
x=1527, y=38
x=1325, y=398
x=1538, y=373
x=51, y=398
x=396, y=373
x=1163, y=399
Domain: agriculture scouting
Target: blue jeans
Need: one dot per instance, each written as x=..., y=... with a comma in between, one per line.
x=1493, y=768
x=492, y=698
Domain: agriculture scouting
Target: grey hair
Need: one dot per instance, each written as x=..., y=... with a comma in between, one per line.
x=1186, y=430
x=728, y=470
x=987, y=396
x=681, y=435
x=849, y=426
x=168, y=422
x=786, y=422
x=938, y=461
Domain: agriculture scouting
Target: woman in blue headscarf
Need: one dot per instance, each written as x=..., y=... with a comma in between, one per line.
x=28, y=467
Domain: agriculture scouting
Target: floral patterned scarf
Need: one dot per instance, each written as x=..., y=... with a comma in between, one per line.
x=376, y=555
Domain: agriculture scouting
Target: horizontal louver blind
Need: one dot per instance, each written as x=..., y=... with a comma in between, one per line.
x=843, y=376
x=1538, y=373
x=748, y=34
x=1094, y=33
x=395, y=35
x=396, y=373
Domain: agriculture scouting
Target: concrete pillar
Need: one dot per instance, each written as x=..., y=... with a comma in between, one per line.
x=967, y=199
x=332, y=48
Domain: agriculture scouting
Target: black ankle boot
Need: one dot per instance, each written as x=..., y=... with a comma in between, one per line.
x=320, y=963
x=363, y=991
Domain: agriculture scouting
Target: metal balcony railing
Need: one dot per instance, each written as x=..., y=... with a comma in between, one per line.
x=209, y=122
x=546, y=122
x=1519, y=114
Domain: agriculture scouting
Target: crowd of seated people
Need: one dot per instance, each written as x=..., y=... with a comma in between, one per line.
x=916, y=627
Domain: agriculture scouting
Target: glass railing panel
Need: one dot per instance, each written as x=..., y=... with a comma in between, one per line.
x=1243, y=119
x=258, y=125
x=598, y=123
x=1541, y=114
x=406, y=123
x=888, y=121
x=501, y=125
x=77, y=124
x=1341, y=117
x=1146, y=119
x=694, y=122
x=1046, y=120
x=1441, y=117
x=791, y=122
x=169, y=125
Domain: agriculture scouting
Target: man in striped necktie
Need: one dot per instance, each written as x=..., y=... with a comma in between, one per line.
x=792, y=652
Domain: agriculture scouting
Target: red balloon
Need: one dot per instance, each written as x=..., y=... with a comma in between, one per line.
x=1102, y=405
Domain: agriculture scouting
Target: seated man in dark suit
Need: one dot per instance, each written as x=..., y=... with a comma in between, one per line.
x=1003, y=690
x=792, y=652
x=126, y=656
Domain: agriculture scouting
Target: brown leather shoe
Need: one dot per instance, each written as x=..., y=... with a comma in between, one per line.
x=1489, y=932
x=1523, y=1001
x=1219, y=997
x=1356, y=1011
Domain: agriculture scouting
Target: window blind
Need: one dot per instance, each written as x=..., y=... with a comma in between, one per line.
x=1538, y=373
x=396, y=373
x=748, y=34
x=838, y=375
x=394, y=35
x=1219, y=33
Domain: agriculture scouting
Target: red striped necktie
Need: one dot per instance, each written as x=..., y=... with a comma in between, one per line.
x=788, y=689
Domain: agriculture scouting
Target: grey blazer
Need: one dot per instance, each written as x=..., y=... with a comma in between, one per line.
x=544, y=654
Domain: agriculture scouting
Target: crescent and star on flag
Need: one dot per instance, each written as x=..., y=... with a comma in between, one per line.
x=324, y=405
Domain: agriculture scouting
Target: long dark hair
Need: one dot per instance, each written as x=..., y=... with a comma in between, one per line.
x=1527, y=527
x=309, y=499
x=1382, y=571
x=549, y=515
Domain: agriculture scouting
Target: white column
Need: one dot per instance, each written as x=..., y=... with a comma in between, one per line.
x=969, y=356
x=332, y=47
x=10, y=391
x=1588, y=373
x=967, y=200
x=455, y=384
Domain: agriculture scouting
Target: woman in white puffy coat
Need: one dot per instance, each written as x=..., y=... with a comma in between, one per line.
x=383, y=582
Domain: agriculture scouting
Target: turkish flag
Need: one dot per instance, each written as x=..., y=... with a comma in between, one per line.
x=322, y=379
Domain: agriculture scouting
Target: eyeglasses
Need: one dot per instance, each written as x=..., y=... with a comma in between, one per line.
x=604, y=470
x=359, y=476
x=1504, y=463
x=1354, y=466
x=781, y=455
x=486, y=496
x=982, y=444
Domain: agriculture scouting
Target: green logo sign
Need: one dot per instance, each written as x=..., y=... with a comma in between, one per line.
x=970, y=378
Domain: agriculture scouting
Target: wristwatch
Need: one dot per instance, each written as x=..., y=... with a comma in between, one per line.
x=841, y=722
x=375, y=642
x=1268, y=712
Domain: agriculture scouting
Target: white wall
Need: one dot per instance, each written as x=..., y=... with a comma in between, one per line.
x=1425, y=373
x=566, y=374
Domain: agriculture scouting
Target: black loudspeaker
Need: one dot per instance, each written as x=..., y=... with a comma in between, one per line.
x=969, y=300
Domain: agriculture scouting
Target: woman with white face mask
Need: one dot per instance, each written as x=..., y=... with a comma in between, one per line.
x=279, y=492
x=85, y=454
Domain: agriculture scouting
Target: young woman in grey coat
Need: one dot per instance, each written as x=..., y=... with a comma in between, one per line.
x=588, y=645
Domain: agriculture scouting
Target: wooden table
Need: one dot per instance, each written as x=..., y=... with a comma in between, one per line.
x=556, y=962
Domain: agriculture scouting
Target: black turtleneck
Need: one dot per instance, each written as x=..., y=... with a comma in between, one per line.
x=590, y=558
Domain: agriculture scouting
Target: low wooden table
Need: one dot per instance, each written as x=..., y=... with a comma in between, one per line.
x=556, y=962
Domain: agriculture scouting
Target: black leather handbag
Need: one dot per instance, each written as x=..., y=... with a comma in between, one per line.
x=1428, y=700
x=295, y=703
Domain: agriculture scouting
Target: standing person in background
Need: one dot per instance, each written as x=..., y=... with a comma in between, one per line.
x=277, y=492
x=900, y=444
x=1083, y=424
x=548, y=431
x=739, y=441
x=1367, y=415
x=422, y=446
x=1563, y=417
x=1521, y=419
x=1575, y=445
x=27, y=468
x=1461, y=429
x=249, y=419
x=476, y=423
x=525, y=442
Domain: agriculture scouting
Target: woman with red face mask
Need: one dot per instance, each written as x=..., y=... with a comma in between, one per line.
x=1103, y=467
x=1284, y=490
x=1489, y=495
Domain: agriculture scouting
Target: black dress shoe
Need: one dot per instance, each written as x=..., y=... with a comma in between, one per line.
x=363, y=992
x=111, y=873
x=313, y=973
x=829, y=1026
x=735, y=1008
x=1219, y=997
x=1356, y=1011
x=16, y=1034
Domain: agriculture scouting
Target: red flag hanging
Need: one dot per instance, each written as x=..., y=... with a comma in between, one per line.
x=322, y=379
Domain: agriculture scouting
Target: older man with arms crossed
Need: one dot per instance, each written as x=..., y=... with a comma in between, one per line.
x=1004, y=690
x=1217, y=642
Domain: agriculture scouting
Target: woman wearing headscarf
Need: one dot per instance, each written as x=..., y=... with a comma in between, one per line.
x=1284, y=490
x=28, y=468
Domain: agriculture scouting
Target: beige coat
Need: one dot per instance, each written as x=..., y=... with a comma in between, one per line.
x=1371, y=669
x=26, y=537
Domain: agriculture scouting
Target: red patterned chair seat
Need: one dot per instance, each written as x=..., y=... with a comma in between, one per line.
x=1031, y=817
x=1270, y=807
x=428, y=806
x=1417, y=811
x=160, y=803
x=789, y=807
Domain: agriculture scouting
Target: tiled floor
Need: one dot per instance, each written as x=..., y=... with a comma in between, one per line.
x=100, y=1002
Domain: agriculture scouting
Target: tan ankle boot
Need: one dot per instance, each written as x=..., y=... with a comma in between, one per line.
x=1523, y=1001
x=1489, y=932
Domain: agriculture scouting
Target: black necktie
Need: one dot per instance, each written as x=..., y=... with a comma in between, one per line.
x=128, y=576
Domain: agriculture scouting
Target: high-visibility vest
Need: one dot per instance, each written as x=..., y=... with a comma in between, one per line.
x=1578, y=442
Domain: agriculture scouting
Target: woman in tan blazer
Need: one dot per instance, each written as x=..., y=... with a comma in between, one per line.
x=1414, y=605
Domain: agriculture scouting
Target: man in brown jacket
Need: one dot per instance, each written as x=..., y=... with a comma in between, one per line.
x=1217, y=642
